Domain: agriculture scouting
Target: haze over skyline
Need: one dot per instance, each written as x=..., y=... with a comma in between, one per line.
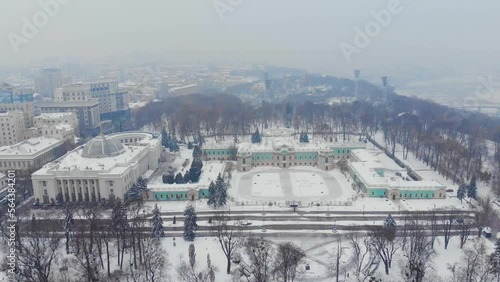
x=451, y=34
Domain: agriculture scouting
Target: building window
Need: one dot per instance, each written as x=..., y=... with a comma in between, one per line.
x=111, y=183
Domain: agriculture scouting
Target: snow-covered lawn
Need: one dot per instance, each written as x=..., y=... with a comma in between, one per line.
x=266, y=184
x=308, y=184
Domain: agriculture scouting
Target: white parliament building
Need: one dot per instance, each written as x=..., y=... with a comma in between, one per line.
x=104, y=168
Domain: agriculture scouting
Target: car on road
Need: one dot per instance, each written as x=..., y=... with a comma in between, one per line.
x=245, y=223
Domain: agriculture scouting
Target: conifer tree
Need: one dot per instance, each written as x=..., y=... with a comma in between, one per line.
x=212, y=195
x=190, y=224
x=157, y=223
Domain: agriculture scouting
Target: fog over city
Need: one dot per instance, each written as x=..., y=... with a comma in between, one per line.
x=445, y=34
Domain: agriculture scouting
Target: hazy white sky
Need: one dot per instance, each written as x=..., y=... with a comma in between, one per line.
x=300, y=33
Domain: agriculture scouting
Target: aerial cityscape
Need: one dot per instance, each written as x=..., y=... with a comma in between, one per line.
x=228, y=141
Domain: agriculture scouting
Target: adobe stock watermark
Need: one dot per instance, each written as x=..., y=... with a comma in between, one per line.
x=363, y=37
x=223, y=7
x=31, y=26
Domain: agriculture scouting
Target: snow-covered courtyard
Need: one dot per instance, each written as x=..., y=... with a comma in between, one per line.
x=293, y=184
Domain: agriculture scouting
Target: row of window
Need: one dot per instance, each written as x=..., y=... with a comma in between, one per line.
x=218, y=152
x=413, y=195
x=274, y=164
x=13, y=164
x=266, y=158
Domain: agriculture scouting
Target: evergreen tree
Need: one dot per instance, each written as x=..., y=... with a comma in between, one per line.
x=472, y=189
x=389, y=228
x=187, y=177
x=190, y=224
x=196, y=152
x=212, y=195
x=168, y=179
x=192, y=255
x=256, y=138
x=221, y=191
x=135, y=192
x=164, y=138
x=179, y=179
x=190, y=145
x=195, y=170
x=142, y=183
x=304, y=138
x=462, y=190
x=389, y=221
x=157, y=223
x=495, y=260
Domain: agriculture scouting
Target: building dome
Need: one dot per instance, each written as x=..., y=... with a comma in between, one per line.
x=102, y=147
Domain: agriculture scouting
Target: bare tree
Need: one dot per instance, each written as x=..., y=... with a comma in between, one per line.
x=363, y=259
x=464, y=229
x=229, y=237
x=474, y=266
x=434, y=227
x=288, y=261
x=37, y=256
x=87, y=256
x=447, y=221
x=336, y=259
x=385, y=245
x=68, y=224
x=258, y=267
x=154, y=267
x=418, y=252
x=483, y=214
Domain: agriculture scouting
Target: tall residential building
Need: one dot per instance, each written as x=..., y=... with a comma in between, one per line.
x=26, y=109
x=18, y=98
x=11, y=127
x=62, y=126
x=87, y=113
x=48, y=80
x=113, y=102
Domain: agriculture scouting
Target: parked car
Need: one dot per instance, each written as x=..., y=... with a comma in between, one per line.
x=487, y=232
x=245, y=223
x=399, y=174
x=449, y=190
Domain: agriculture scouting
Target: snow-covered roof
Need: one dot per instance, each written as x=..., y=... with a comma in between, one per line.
x=54, y=115
x=365, y=166
x=362, y=155
x=75, y=162
x=102, y=147
x=30, y=147
x=276, y=143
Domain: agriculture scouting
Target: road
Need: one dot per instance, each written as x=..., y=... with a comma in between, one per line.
x=163, y=167
x=276, y=223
